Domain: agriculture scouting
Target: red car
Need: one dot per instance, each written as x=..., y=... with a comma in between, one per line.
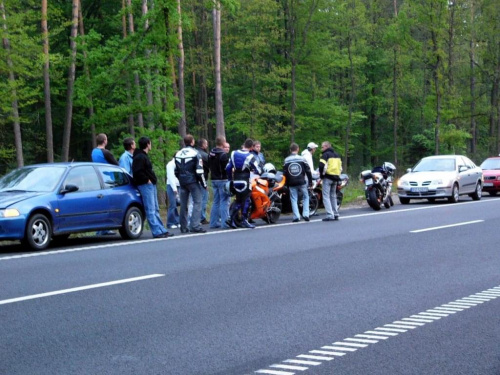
x=491, y=173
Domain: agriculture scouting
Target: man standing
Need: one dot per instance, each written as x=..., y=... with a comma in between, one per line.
x=330, y=167
x=203, y=151
x=243, y=162
x=296, y=169
x=308, y=155
x=218, y=160
x=172, y=195
x=189, y=171
x=126, y=159
x=145, y=179
x=100, y=154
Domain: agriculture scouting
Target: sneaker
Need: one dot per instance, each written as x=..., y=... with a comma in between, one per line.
x=336, y=218
x=233, y=225
x=306, y=218
x=184, y=230
x=204, y=221
x=164, y=235
x=246, y=224
x=198, y=230
x=173, y=226
x=328, y=219
x=295, y=220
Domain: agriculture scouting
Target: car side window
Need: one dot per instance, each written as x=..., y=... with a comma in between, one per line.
x=84, y=177
x=112, y=177
x=470, y=164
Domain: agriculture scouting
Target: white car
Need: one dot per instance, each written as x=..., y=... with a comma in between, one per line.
x=444, y=176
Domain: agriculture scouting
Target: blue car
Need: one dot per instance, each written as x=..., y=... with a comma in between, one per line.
x=44, y=202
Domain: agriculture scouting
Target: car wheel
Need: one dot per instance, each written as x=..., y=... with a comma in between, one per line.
x=455, y=196
x=492, y=193
x=478, y=192
x=38, y=232
x=403, y=200
x=133, y=224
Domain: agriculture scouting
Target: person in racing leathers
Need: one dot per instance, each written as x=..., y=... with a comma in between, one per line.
x=241, y=163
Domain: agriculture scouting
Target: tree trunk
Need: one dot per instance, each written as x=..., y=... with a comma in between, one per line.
x=71, y=83
x=293, y=61
x=137, y=82
x=149, y=91
x=435, y=75
x=182, y=98
x=219, y=111
x=46, y=85
x=87, y=74
x=131, y=124
x=472, y=57
x=15, y=105
x=395, y=91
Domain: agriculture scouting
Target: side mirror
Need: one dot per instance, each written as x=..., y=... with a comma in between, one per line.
x=70, y=188
x=462, y=168
x=408, y=170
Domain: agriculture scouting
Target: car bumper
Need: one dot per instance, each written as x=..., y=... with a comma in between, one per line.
x=12, y=228
x=491, y=185
x=441, y=192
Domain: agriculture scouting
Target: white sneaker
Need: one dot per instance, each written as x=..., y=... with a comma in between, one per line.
x=173, y=226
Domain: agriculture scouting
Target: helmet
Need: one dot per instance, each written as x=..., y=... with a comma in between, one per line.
x=389, y=167
x=269, y=168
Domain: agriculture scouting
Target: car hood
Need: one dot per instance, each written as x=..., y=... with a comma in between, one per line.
x=426, y=176
x=491, y=172
x=9, y=198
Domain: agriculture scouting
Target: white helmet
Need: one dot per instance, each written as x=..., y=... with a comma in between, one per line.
x=269, y=168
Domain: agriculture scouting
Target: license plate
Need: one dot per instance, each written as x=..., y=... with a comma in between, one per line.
x=419, y=189
x=488, y=184
x=369, y=182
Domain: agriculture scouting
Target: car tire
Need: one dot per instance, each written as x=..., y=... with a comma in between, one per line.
x=38, y=232
x=133, y=224
x=477, y=193
x=455, y=194
x=403, y=200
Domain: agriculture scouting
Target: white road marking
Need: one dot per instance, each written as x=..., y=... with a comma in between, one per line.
x=419, y=320
x=446, y=226
x=371, y=337
x=361, y=340
x=434, y=314
x=399, y=326
x=290, y=367
x=457, y=306
x=382, y=333
x=485, y=299
x=273, y=372
x=426, y=317
x=411, y=323
x=391, y=329
x=78, y=289
x=301, y=362
x=318, y=358
x=448, y=309
x=339, y=348
x=488, y=294
x=461, y=302
x=442, y=311
x=326, y=353
x=350, y=344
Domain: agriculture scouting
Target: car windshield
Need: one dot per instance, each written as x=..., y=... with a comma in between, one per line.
x=491, y=164
x=430, y=165
x=33, y=179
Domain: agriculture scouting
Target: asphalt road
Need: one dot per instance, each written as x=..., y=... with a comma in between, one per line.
x=410, y=290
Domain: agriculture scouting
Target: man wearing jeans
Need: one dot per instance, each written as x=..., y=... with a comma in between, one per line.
x=296, y=169
x=330, y=167
x=172, y=195
x=145, y=179
x=218, y=160
x=189, y=171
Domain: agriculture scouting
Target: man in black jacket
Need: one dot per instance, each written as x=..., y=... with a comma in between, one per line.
x=217, y=161
x=145, y=179
x=296, y=169
x=202, y=149
x=189, y=171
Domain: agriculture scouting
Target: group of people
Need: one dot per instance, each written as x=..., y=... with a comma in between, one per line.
x=189, y=170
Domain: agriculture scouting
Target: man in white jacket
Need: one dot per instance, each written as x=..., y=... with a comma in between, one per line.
x=173, y=196
x=308, y=155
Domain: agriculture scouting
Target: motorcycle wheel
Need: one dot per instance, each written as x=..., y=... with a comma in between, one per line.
x=313, y=204
x=274, y=212
x=340, y=197
x=374, y=199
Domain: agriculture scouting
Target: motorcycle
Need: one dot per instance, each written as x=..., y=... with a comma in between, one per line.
x=316, y=195
x=265, y=199
x=378, y=185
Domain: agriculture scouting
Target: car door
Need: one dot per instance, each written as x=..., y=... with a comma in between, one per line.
x=116, y=185
x=86, y=208
x=467, y=177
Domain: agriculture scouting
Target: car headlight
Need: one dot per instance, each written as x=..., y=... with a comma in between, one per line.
x=402, y=183
x=9, y=212
x=437, y=182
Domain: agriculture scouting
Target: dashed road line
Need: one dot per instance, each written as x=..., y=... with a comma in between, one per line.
x=350, y=345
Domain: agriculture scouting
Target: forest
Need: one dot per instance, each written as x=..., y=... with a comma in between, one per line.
x=382, y=80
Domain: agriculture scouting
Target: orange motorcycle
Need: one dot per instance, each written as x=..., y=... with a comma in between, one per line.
x=265, y=198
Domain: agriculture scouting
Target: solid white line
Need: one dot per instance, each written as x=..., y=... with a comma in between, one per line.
x=301, y=362
x=326, y=353
x=446, y=226
x=273, y=372
x=361, y=340
x=391, y=329
x=318, y=358
x=78, y=289
x=426, y=317
x=339, y=348
x=420, y=320
x=372, y=337
x=289, y=367
x=350, y=344
x=383, y=333
x=434, y=314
